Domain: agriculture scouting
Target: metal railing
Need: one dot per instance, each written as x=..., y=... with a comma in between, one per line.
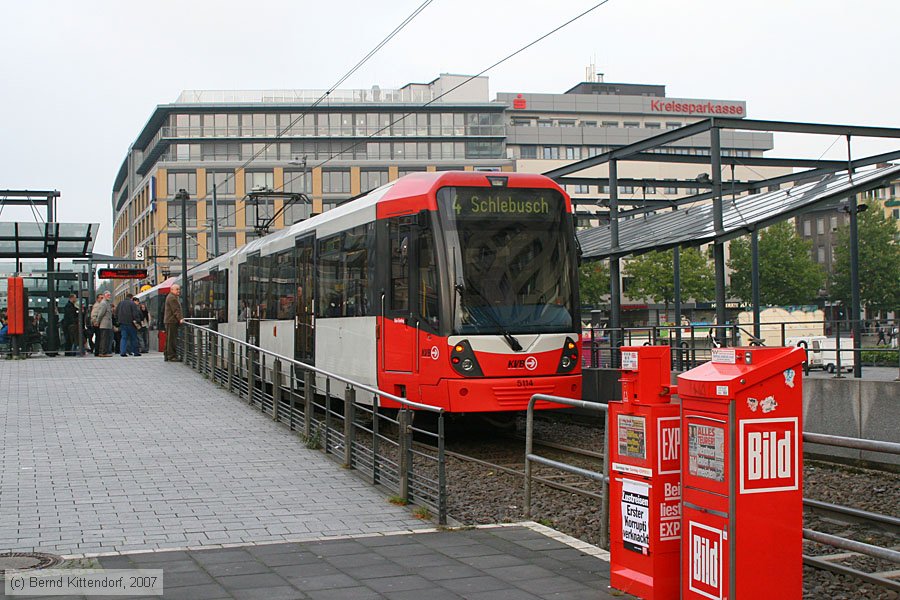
x=337, y=415
x=887, y=554
x=692, y=344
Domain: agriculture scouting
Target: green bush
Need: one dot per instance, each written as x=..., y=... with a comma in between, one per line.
x=879, y=358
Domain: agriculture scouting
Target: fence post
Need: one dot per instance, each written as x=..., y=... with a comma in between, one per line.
x=230, y=366
x=837, y=349
x=293, y=392
x=442, y=474
x=251, y=376
x=349, y=418
x=213, y=354
x=308, y=395
x=276, y=388
x=403, y=449
x=529, y=447
x=604, y=503
x=199, y=356
x=184, y=343
x=327, y=414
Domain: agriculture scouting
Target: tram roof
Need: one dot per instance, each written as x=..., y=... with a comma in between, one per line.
x=695, y=225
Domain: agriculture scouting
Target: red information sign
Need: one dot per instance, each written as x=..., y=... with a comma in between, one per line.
x=121, y=273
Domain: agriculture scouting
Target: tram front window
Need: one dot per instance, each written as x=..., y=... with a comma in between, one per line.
x=510, y=255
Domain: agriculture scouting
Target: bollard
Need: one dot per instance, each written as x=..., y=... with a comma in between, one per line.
x=349, y=418
x=276, y=388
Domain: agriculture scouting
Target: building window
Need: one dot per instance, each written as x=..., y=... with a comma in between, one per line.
x=484, y=149
x=632, y=124
x=672, y=124
x=520, y=122
x=551, y=152
x=566, y=122
x=609, y=124
x=807, y=227
x=651, y=125
x=181, y=181
x=834, y=222
x=227, y=243
x=294, y=212
x=545, y=123
x=578, y=189
x=671, y=190
x=173, y=213
x=258, y=212
x=528, y=152
x=573, y=153
x=336, y=182
x=373, y=178
x=296, y=182
x=222, y=181
x=589, y=123
x=649, y=189
x=820, y=254
x=175, y=247
x=226, y=211
x=258, y=180
x=626, y=189
x=820, y=225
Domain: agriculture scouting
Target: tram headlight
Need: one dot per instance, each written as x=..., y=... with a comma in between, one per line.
x=463, y=360
x=569, y=359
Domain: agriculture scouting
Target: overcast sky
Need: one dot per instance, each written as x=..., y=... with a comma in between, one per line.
x=80, y=79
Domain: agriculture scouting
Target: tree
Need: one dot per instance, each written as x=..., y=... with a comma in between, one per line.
x=787, y=273
x=593, y=282
x=879, y=262
x=653, y=276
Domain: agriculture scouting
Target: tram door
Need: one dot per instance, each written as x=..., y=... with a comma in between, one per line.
x=305, y=319
x=398, y=342
x=251, y=305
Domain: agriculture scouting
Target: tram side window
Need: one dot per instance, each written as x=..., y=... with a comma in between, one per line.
x=245, y=291
x=220, y=296
x=202, y=297
x=399, y=246
x=344, y=266
x=427, y=295
x=282, y=286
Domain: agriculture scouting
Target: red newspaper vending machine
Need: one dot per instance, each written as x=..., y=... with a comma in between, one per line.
x=645, y=496
x=742, y=475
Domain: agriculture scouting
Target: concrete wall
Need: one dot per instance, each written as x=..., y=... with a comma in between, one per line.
x=846, y=407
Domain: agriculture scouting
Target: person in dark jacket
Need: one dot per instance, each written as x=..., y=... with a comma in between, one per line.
x=104, y=323
x=70, y=324
x=129, y=317
x=173, y=318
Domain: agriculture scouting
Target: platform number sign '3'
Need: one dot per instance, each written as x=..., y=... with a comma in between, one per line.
x=769, y=450
x=705, y=560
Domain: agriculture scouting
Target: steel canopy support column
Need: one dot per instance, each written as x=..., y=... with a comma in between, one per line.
x=615, y=291
x=676, y=273
x=185, y=292
x=754, y=281
x=855, y=301
x=715, y=154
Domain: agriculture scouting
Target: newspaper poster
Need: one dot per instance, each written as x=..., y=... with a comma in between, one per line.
x=706, y=451
x=632, y=436
x=636, y=516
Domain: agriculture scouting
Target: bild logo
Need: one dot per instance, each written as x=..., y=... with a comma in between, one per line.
x=705, y=560
x=769, y=455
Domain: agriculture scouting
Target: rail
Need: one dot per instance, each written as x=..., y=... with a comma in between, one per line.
x=349, y=424
x=887, y=554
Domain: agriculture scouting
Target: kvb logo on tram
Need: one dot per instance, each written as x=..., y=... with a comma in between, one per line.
x=769, y=455
x=705, y=560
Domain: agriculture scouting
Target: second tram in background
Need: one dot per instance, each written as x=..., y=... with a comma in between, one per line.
x=454, y=289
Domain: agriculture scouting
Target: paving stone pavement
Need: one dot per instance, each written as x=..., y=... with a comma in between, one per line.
x=517, y=562
x=123, y=454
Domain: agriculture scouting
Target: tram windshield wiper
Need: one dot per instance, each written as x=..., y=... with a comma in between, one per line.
x=511, y=340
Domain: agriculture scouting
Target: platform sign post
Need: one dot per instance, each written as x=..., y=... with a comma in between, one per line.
x=645, y=489
x=742, y=512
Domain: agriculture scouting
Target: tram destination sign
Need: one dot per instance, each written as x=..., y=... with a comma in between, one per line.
x=486, y=203
x=121, y=273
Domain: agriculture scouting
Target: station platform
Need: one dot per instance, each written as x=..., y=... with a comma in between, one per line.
x=134, y=462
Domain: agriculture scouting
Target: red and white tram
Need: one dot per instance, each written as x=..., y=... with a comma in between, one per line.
x=455, y=289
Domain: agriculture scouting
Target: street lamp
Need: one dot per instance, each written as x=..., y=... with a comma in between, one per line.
x=183, y=196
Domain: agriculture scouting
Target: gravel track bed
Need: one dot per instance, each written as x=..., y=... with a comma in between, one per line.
x=479, y=495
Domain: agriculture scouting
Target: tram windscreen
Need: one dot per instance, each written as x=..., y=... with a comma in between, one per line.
x=509, y=259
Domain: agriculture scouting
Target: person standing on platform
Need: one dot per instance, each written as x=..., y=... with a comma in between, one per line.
x=129, y=316
x=173, y=318
x=104, y=323
x=70, y=324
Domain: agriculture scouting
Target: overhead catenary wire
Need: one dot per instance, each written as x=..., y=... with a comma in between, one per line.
x=436, y=98
x=321, y=99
